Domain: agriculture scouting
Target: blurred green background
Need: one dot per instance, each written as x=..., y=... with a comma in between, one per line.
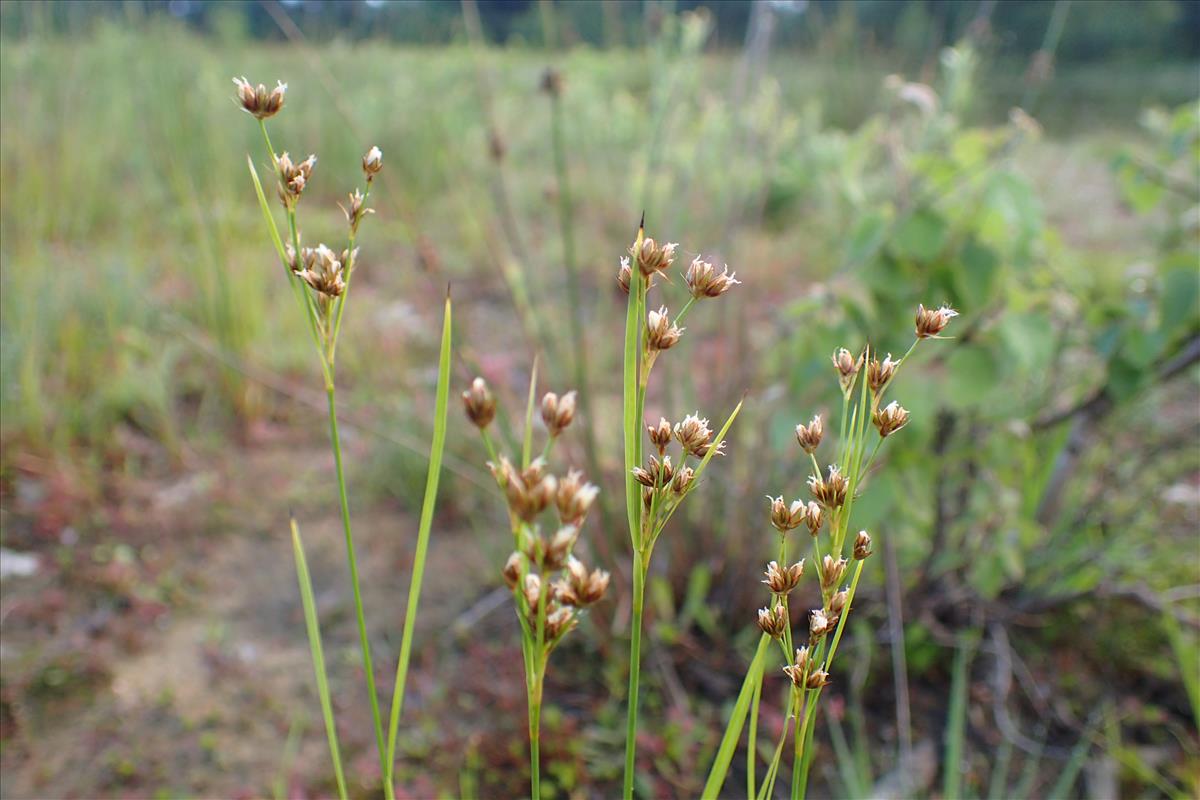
x=1029, y=624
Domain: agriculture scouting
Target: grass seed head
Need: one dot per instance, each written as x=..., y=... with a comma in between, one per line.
x=773, y=621
x=809, y=436
x=819, y=624
x=661, y=334
x=624, y=275
x=258, y=101
x=837, y=603
x=574, y=497
x=832, y=571
x=703, y=280
x=797, y=669
x=585, y=588
x=560, y=622
x=932, y=321
x=512, y=570
x=847, y=367
x=320, y=269
x=890, y=419
x=784, y=517
x=558, y=412
x=880, y=373
x=817, y=679
x=862, y=546
x=372, y=163
x=532, y=590
x=653, y=257
x=813, y=517
x=831, y=491
x=694, y=434
x=479, y=403
x=294, y=177
x=781, y=580
x=682, y=480
x=660, y=434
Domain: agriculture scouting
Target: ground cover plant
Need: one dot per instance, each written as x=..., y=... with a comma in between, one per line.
x=1026, y=623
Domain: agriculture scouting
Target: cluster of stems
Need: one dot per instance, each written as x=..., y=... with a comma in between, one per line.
x=320, y=279
x=864, y=381
x=551, y=588
x=656, y=488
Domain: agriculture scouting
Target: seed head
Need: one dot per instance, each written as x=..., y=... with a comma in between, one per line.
x=512, y=570
x=818, y=625
x=847, y=367
x=930, y=322
x=831, y=491
x=479, y=403
x=660, y=333
x=559, y=547
x=773, y=621
x=682, y=480
x=880, y=373
x=694, y=434
x=294, y=176
x=862, y=546
x=647, y=477
x=660, y=434
x=809, y=436
x=796, y=669
x=703, y=280
x=785, y=517
x=832, y=571
x=837, y=603
x=624, y=275
x=320, y=269
x=582, y=588
x=560, y=622
x=557, y=412
x=890, y=419
x=372, y=163
x=257, y=100
x=653, y=257
x=533, y=590
x=781, y=580
x=817, y=679
x=355, y=211
x=574, y=498
x=813, y=517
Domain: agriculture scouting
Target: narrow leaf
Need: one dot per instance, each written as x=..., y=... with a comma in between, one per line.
x=737, y=720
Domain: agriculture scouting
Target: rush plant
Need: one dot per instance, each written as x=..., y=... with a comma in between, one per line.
x=808, y=655
x=320, y=279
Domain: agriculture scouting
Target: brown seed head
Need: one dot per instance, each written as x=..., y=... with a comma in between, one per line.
x=930, y=322
x=847, y=367
x=653, y=257
x=818, y=625
x=257, y=100
x=785, y=517
x=880, y=373
x=831, y=491
x=533, y=590
x=624, y=275
x=479, y=403
x=890, y=419
x=694, y=434
x=773, y=621
x=813, y=517
x=560, y=622
x=862, y=546
x=682, y=480
x=703, y=280
x=574, y=498
x=661, y=334
x=797, y=669
x=584, y=587
x=354, y=210
x=558, y=549
x=512, y=570
x=781, y=580
x=294, y=176
x=809, y=436
x=372, y=163
x=832, y=571
x=558, y=412
x=660, y=434
x=837, y=603
x=320, y=269
x=647, y=477
x=817, y=679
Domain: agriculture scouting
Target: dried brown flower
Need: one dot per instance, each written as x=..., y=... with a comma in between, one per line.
x=703, y=280
x=574, y=498
x=931, y=322
x=653, y=257
x=661, y=334
x=847, y=367
x=814, y=517
x=785, y=517
x=817, y=679
x=818, y=625
x=582, y=587
x=660, y=434
x=512, y=570
x=809, y=436
x=294, y=176
x=355, y=211
x=832, y=571
x=694, y=434
x=837, y=603
x=558, y=412
x=258, y=101
x=624, y=275
x=372, y=163
x=831, y=491
x=773, y=621
x=560, y=622
x=320, y=269
x=533, y=590
x=781, y=580
x=890, y=419
x=797, y=669
x=479, y=403
x=682, y=480
x=862, y=546
x=880, y=373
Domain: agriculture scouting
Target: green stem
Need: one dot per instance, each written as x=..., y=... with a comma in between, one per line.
x=797, y=753
x=364, y=642
x=635, y=663
x=751, y=744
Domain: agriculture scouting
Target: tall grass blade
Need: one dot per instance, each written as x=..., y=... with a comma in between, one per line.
x=956, y=724
x=737, y=720
x=318, y=657
x=426, y=524
x=527, y=444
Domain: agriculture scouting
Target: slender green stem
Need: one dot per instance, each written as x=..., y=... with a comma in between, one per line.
x=364, y=641
x=349, y=269
x=684, y=311
x=752, y=736
x=797, y=753
x=635, y=663
x=427, y=506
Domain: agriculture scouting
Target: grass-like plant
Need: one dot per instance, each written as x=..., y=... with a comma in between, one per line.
x=320, y=279
x=654, y=490
x=547, y=609
x=864, y=381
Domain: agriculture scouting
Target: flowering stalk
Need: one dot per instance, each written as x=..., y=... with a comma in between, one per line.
x=547, y=610
x=320, y=279
x=655, y=489
x=834, y=495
